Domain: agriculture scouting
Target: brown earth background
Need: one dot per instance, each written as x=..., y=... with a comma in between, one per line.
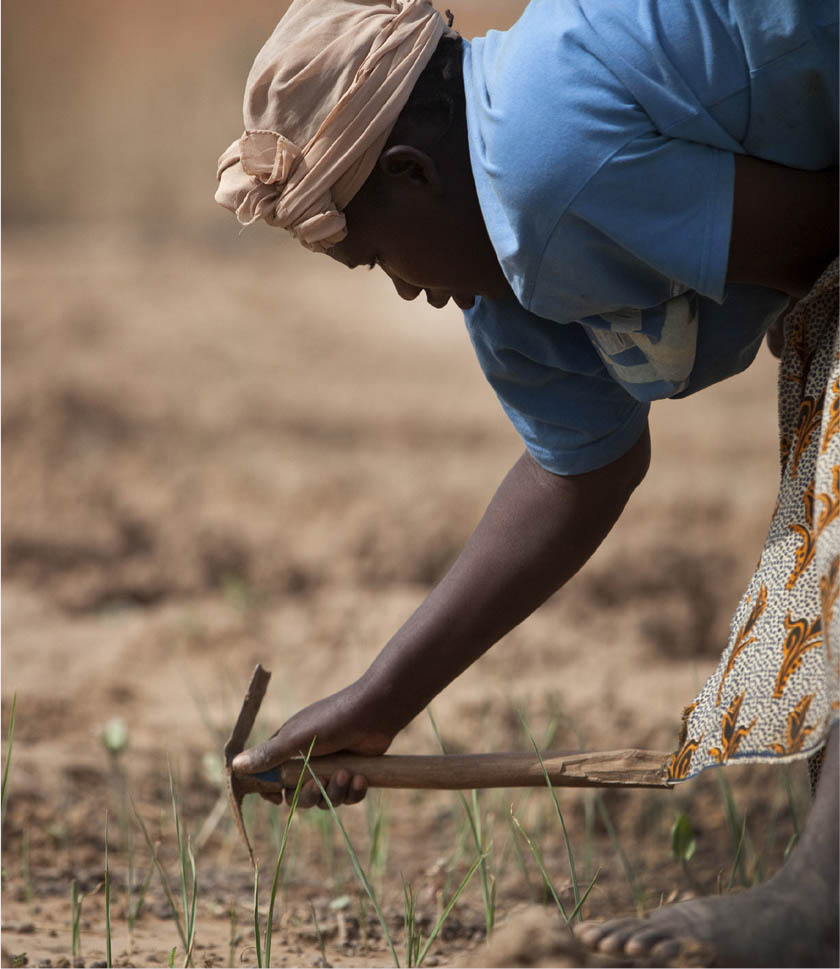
x=219, y=450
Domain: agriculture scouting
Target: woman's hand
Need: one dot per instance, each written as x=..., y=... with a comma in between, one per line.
x=347, y=721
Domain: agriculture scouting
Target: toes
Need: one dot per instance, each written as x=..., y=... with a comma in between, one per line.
x=630, y=937
x=608, y=937
x=651, y=942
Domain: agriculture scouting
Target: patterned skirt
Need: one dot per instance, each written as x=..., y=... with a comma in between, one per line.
x=774, y=695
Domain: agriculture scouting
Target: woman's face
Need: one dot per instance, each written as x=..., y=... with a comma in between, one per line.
x=423, y=230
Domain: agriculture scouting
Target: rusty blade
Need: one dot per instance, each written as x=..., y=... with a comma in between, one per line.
x=236, y=744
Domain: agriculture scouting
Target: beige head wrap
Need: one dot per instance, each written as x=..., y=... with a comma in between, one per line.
x=320, y=102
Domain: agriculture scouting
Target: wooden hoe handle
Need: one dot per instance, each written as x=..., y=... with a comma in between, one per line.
x=611, y=768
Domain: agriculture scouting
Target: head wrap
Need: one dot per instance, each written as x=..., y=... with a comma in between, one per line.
x=320, y=101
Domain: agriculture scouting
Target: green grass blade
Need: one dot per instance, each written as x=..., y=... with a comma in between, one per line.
x=737, y=828
x=9, y=744
x=182, y=866
x=194, y=897
x=535, y=851
x=257, y=914
x=569, y=852
x=445, y=913
x=360, y=873
x=576, y=911
x=474, y=818
x=170, y=898
x=409, y=924
x=282, y=852
x=794, y=814
x=107, y=900
x=737, y=864
x=635, y=889
x=75, y=915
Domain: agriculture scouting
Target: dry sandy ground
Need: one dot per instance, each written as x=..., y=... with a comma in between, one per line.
x=219, y=455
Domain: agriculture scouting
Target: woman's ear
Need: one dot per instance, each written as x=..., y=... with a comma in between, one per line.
x=413, y=167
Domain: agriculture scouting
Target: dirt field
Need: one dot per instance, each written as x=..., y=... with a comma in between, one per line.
x=219, y=450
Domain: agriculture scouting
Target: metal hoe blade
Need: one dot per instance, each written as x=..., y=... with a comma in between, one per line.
x=236, y=744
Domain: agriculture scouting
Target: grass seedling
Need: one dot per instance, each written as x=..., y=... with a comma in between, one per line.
x=189, y=882
x=794, y=814
x=5, y=789
x=360, y=872
x=76, y=899
x=257, y=914
x=488, y=881
x=270, y=919
x=107, y=900
x=569, y=851
x=184, y=919
x=737, y=830
x=75, y=917
x=134, y=903
x=535, y=851
x=319, y=935
x=376, y=814
x=635, y=888
x=683, y=842
x=416, y=949
x=738, y=863
x=520, y=860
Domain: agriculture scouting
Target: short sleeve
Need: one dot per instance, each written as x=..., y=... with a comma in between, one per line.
x=653, y=221
x=572, y=416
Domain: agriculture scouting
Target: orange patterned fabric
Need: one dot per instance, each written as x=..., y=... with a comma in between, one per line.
x=776, y=690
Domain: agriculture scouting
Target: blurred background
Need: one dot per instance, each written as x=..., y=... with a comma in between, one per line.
x=116, y=113
x=219, y=449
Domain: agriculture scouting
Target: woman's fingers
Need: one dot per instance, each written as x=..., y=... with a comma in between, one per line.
x=342, y=788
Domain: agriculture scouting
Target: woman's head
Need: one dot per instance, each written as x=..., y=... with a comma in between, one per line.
x=355, y=141
x=320, y=100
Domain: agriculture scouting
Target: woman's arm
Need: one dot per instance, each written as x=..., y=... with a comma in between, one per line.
x=538, y=530
x=784, y=225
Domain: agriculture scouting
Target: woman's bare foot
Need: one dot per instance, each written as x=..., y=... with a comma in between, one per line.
x=790, y=920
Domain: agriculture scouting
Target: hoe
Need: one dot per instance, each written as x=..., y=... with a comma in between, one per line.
x=610, y=768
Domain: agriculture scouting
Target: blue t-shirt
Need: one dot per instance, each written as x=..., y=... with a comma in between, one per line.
x=601, y=136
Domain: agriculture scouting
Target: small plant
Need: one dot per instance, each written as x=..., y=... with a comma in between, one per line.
x=319, y=935
x=76, y=899
x=107, y=900
x=569, y=852
x=75, y=917
x=377, y=824
x=737, y=831
x=360, y=872
x=416, y=948
x=635, y=887
x=683, y=842
x=115, y=738
x=270, y=918
x=184, y=919
x=5, y=789
x=488, y=880
x=535, y=851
